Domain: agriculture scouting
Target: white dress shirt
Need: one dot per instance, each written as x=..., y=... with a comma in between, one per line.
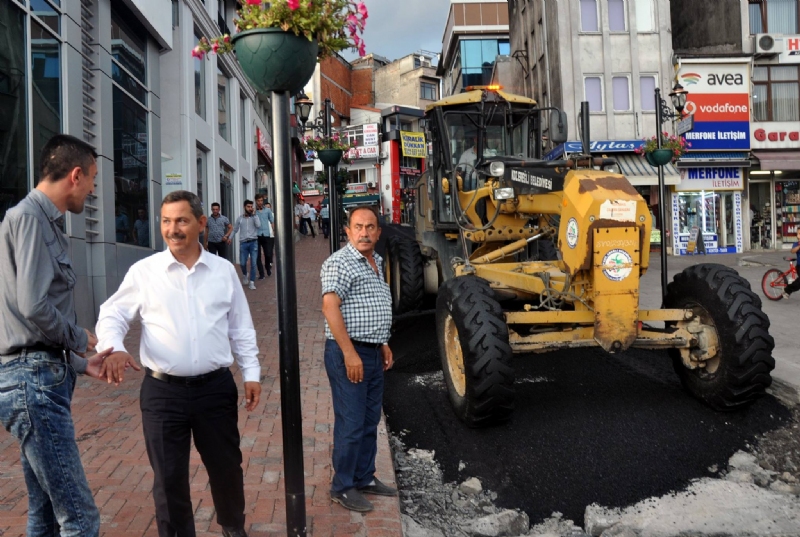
x=193, y=320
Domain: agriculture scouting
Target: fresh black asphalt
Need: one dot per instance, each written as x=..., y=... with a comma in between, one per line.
x=589, y=427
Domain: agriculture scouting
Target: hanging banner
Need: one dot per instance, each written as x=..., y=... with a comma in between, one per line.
x=413, y=144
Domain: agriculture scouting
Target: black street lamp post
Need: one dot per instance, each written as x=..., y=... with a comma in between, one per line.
x=322, y=125
x=663, y=113
x=288, y=342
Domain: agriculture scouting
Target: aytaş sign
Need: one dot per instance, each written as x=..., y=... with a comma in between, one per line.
x=597, y=146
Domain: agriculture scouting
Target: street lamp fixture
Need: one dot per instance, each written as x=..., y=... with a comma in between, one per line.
x=678, y=97
x=303, y=105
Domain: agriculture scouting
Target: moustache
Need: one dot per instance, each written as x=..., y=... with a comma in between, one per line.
x=179, y=236
x=364, y=241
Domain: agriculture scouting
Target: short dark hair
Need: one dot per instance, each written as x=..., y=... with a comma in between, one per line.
x=248, y=202
x=185, y=195
x=259, y=197
x=369, y=208
x=63, y=153
x=215, y=204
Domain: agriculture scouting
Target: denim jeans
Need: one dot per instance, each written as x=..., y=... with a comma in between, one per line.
x=35, y=395
x=248, y=249
x=357, y=412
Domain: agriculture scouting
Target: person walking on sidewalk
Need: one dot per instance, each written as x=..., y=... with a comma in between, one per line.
x=217, y=233
x=325, y=220
x=266, y=241
x=249, y=223
x=357, y=306
x=195, y=319
x=41, y=345
x=795, y=285
x=305, y=220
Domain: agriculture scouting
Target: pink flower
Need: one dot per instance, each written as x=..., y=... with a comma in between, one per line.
x=227, y=38
x=293, y=4
x=352, y=20
x=362, y=50
x=214, y=47
x=197, y=53
x=352, y=29
x=362, y=10
x=356, y=40
x=253, y=2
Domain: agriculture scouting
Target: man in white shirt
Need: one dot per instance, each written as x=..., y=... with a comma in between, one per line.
x=195, y=319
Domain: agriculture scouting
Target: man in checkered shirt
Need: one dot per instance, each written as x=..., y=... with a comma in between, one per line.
x=357, y=305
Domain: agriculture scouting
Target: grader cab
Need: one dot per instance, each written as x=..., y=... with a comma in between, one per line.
x=529, y=256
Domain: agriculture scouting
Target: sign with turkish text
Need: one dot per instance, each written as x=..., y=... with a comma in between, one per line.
x=685, y=125
x=356, y=188
x=719, y=102
x=410, y=171
x=263, y=143
x=775, y=135
x=597, y=146
x=696, y=179
x=371, y=134
x=791, y=49
x=363, y=151
x=413, y=144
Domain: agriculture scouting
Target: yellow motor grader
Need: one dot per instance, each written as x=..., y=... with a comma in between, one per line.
x=529, y=256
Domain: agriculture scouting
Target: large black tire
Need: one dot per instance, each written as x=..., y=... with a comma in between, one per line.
x=547, y=250
x=404, y=274
x=741, y=372
x=475, y=353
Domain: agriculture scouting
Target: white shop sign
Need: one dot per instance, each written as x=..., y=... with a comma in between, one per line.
x=696, y=179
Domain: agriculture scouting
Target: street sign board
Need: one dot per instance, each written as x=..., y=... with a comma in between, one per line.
x=685, y=125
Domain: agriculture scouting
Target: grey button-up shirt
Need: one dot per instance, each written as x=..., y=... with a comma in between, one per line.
x=249, y=227
x=37, y=305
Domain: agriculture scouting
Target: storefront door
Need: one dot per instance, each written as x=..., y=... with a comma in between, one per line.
x=715, y=214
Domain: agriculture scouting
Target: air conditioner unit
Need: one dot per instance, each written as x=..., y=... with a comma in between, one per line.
x=371, y=184
x=383, y=154
x=768, y=44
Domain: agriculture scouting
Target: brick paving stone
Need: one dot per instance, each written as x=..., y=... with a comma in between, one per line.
x=109, y=433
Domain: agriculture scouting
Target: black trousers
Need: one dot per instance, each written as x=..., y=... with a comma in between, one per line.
x=792, y=287
x=265, y=245
x=218, y=248
x=171, y=415
x=309, y=224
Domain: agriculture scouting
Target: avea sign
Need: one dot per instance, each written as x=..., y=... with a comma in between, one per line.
x=729, y=79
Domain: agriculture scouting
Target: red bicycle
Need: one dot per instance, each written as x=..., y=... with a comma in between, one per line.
x=774, y=281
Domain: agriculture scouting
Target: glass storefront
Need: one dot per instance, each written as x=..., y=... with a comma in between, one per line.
x=715, y=214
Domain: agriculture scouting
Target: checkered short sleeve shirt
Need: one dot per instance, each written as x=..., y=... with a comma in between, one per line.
x=366, y=298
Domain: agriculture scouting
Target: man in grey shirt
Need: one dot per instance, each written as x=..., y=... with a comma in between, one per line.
x=249, y=224
x=42, y=347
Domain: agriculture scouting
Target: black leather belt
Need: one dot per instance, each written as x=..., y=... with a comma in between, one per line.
x=197, y=380
x=366, y=344
x=247, y=240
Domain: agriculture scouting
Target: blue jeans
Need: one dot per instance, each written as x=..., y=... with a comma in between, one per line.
x=357, y=412
x=248, y=249
x=35, y=395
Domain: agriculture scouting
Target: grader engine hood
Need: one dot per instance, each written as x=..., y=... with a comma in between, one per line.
x=604, y=234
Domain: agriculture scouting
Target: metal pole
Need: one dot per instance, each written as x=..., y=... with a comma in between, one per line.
x=330, y=173
x=662, y=202
x=585, y=126
x=288, y=344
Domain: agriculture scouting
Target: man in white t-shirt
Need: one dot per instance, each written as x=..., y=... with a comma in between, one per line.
x=305, y=219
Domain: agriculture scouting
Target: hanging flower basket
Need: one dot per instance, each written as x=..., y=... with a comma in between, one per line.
x=659, y=157
x=274, y=60
x=330, y=157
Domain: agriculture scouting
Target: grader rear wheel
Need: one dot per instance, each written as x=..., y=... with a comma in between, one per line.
x=739, y=373
x=475, y=353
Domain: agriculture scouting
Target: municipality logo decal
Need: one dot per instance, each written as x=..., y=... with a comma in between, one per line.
x=690, y=79
x=617, y=265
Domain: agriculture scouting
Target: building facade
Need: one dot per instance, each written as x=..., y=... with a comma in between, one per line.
x=475, y=33
x=120, y=75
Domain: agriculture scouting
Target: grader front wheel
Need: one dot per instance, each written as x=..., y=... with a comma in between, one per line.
x=404, y=274
x=475, y=353
x=739, y=371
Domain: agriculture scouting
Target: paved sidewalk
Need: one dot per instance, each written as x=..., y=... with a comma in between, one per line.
x=108, y=428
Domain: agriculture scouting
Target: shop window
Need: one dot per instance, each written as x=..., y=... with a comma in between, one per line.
x=787, y=212
x=622, y=93
x=712, y=213
x=593, y=92
x=243, y=125
x=223, y=105
x=46, y=78
x=774, y=16
x=477, y=60
x=589, y=18
x=647, y=88
x=616, y=15
x=776, y=93
x=131, y=178
x=199, y=83
x=13, y=109
x=644, y=16
x=428, y=91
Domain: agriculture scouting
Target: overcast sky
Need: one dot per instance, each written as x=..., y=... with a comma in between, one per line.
x=396, y=28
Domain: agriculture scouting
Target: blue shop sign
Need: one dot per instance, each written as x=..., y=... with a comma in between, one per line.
x=719, y=135
x=597, y=146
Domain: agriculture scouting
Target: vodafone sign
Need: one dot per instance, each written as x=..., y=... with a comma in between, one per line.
x=775, y=135
x=719, y=100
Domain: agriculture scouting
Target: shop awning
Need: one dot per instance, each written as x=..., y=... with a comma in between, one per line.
x=779, y=160
x=715, y=159
x=640, y=173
